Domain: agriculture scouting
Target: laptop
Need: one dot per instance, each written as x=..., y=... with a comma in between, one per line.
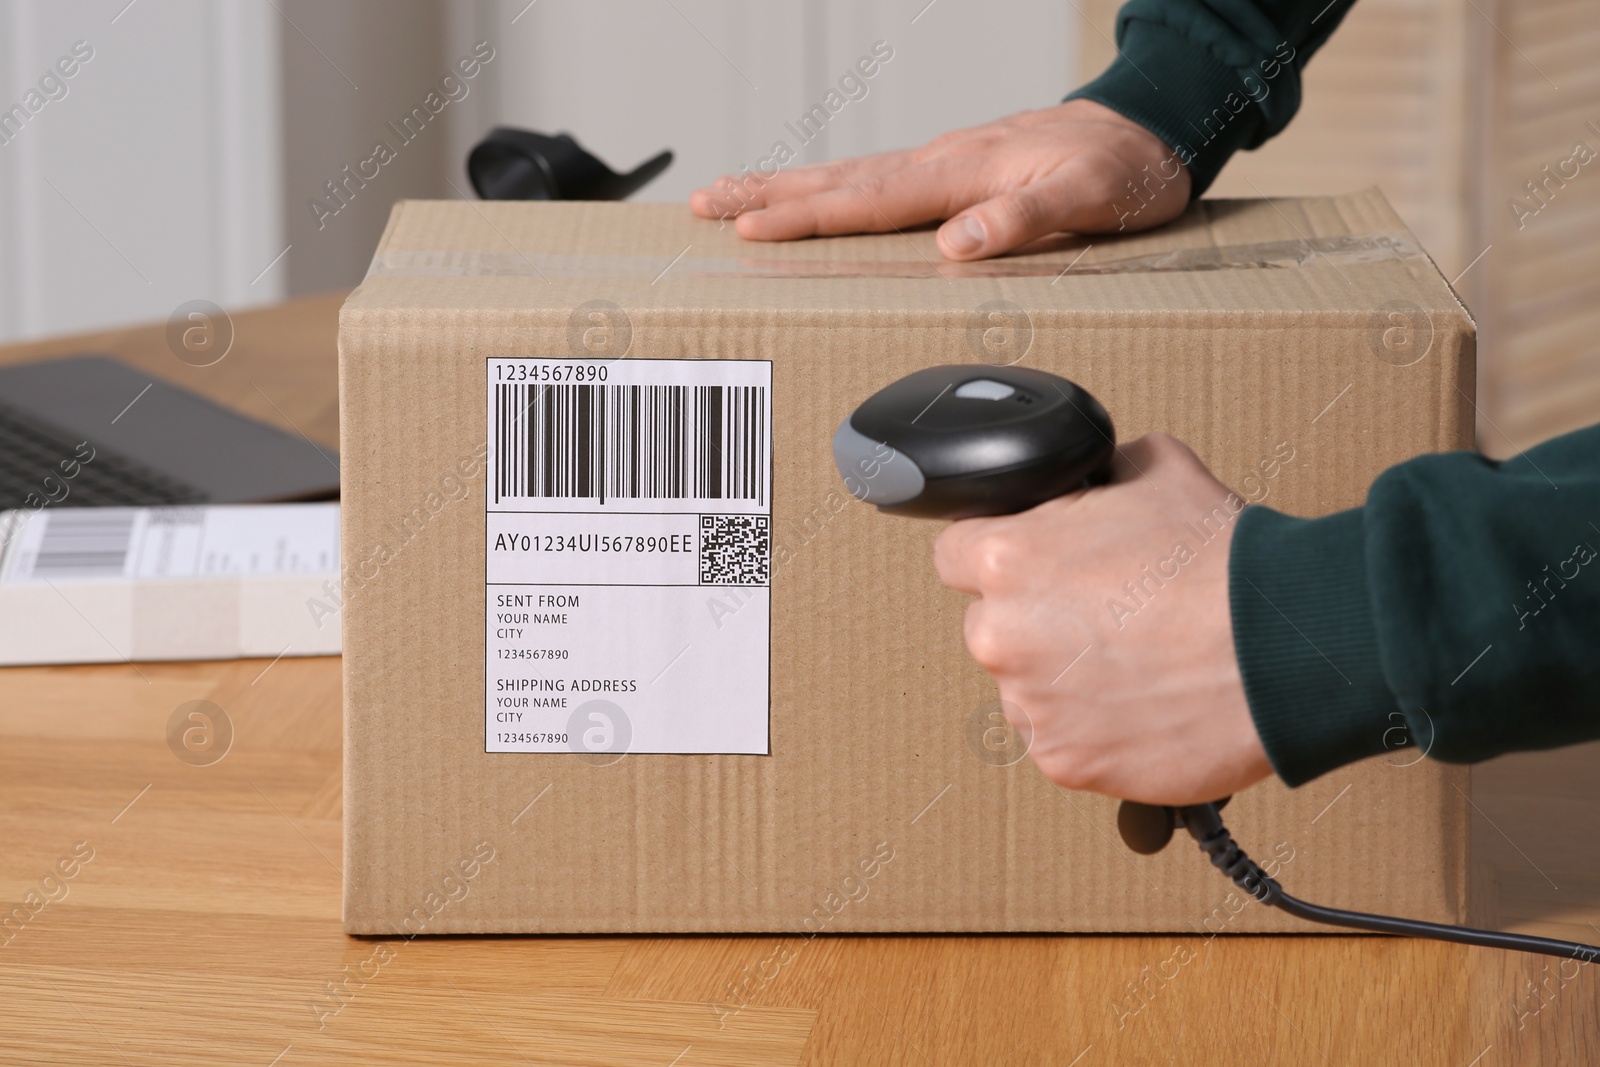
x=93, y=431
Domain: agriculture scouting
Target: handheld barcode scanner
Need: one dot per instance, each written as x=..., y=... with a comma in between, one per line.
x=968, y=441
x=963, y=441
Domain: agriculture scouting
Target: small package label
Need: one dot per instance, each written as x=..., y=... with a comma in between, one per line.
x=187, y=541
x=216, y=581
x=629, y=556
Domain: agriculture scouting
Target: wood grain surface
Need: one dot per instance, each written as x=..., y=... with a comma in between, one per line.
x=200, y=921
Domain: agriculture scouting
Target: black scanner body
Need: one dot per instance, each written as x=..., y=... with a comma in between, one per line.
x=978, y=440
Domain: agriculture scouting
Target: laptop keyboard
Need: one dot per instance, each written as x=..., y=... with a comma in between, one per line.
x=40, y=465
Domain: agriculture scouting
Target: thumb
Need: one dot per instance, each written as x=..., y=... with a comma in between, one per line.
x=1012, y=219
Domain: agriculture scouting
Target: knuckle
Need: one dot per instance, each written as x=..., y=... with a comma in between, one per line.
x=993, y=559
x=985, y=640
x=1072, y=768
x=980, y=643
x=946, y=553
x=799, y=217
x=872, y=188
x=1060, y=767
x=1019, y=214
x=1167, y=447
x=1090, y=772
x=1103, y=184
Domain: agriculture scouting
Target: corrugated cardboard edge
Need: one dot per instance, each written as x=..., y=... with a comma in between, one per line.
x=1475, y=891
x=1471, y=905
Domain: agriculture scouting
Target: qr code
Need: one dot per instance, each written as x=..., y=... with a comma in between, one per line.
x=735, y=549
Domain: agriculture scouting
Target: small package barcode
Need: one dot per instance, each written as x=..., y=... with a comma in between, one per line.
x=662, y=442
x=84, y=542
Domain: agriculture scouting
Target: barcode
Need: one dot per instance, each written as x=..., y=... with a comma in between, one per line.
x=84, y=543
x=631, y=442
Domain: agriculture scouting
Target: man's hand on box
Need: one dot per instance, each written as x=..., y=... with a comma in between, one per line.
x=1078, y=166
x=1103, y=618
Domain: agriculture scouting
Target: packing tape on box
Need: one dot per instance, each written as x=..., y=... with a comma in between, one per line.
x=1340, y=251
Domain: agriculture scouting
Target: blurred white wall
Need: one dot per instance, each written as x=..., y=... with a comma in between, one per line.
x=716, y=80
x=189, y=155
x=151, y=175
x=350, y=69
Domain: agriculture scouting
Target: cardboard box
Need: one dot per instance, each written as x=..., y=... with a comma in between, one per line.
x=864, y=786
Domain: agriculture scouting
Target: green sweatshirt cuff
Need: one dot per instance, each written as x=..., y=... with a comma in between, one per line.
x=1304, y=633
x=1181, y=92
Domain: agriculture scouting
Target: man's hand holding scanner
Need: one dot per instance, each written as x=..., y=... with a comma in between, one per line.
x=1103, y=617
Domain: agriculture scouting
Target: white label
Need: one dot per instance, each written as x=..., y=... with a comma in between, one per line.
x=138, y=544
x=629, y=556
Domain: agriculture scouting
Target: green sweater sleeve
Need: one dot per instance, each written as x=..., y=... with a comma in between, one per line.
x=1210, y=77
x=1457, y=613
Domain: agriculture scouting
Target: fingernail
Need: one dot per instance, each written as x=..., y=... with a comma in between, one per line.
x=964, y=236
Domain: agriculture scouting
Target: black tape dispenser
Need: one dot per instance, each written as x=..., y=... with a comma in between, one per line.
x=956, y=442
x=513, y=164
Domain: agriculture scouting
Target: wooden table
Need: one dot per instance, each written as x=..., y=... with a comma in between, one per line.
x=200, y=924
